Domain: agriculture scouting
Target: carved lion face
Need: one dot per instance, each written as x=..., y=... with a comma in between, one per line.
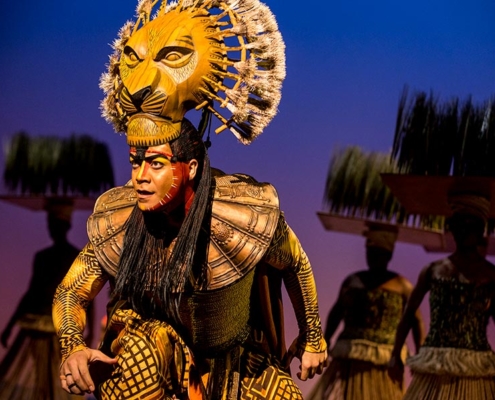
x=162, y=68
x=225, y=57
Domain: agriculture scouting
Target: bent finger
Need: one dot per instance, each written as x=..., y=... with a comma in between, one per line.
x=303, y=375
x=74, y=389
x=83, y=379
x=71, y=384
x=63, y=383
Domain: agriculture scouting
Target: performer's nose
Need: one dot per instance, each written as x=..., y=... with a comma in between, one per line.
x=142, y=171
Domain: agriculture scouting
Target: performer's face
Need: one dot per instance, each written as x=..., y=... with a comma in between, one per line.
x=467, y=230
x=377, y=258
x=159, y=182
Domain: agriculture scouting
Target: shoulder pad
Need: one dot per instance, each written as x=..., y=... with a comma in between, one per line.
x=106, y=226
x=245, y=214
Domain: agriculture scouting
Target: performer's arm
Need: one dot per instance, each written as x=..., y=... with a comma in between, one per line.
x=409, y=317
x=82, y=283
x=417, y=324
x=286, y=254
x=336, y=313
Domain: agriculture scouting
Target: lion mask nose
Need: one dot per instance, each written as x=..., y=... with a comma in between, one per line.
x=140, y=96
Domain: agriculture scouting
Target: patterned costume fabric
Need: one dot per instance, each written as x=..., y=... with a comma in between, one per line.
x=250, y=240
x=30, y=368
x=455, y=361
x=358, y=369
x=152, y=351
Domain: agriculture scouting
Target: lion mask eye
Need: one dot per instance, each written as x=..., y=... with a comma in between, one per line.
x=130, y=57
x=174, y=56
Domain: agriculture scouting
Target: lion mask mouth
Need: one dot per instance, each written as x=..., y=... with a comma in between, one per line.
x=150, y=130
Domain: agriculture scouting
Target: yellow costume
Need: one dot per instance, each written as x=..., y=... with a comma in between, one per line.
x=251, y=250
x=197, y=258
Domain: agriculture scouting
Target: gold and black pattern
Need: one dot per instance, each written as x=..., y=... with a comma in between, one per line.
x=244, y=218
x=245, y=189
x=246, y=227
x=106, y=226
x=125, y=99
x=79, y=287
x=243, y=224
x=154, y=103
x=287, y=254
x=263, y=379
x=118, y=197
x=283, y=253
x=153, y=361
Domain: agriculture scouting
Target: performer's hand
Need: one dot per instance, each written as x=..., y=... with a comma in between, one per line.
x=311, y=364
x=74, y=372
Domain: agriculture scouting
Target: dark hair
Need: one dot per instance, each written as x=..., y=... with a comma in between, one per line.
x=150, y=282
x=189, y=145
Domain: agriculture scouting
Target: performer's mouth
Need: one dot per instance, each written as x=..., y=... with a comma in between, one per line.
x=143, y=194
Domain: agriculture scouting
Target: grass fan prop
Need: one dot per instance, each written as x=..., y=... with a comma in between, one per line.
x=442, y=148
x=475, y=150
x=55, y=167
x=356, y=199
x=452, y=138
x=353, y=187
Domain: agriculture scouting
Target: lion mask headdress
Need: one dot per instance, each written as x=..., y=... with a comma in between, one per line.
x=223, y=56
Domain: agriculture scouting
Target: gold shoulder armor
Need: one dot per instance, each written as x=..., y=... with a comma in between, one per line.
x=106, y=225
x=245, y=214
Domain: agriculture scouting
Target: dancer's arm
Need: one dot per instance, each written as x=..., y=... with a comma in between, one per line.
x=336, y=313
x=82, y=283
x=417, y=324
x=287, y=254
x=409, y=318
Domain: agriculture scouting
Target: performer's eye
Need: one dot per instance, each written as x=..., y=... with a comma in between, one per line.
x=159, y=162
x=174, y=56
x=130, y=57
x=156, y=164
x=134, y=162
